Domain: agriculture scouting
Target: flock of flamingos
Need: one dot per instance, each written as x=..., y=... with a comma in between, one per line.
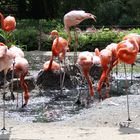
x=12, y=57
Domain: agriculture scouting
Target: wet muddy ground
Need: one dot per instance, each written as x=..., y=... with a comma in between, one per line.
x=54, y=105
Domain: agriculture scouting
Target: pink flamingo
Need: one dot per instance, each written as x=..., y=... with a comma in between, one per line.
x=74, y=18
x=54, y=67
x=21, y=68
x=59, y=48
x=108, y=58
x=85, y=60
x=8, y=23
x=127, y=51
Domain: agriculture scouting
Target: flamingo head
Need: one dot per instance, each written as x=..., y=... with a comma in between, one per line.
x=91, y=16
x=54, y=34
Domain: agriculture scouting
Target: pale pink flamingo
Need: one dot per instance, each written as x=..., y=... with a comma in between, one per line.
x=6, y=60
x=74, y=18
x=21, y=68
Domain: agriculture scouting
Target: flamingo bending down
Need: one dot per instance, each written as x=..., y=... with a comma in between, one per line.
x=8, y=23
x=85, y=60
x=127, y=52
x=108, y=58
x=21, y=68
x=128, y=48
x=73, y=18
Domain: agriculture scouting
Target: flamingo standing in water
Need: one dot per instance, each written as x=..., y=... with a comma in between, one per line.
x=85, y=60
x=6, y=60
x=74, y=18
x=8, y=23
x=59, y=49
x=21, y=68
x=108, y=59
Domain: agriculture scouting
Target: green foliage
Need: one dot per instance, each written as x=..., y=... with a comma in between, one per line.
x=27, y=38
x=30, y=36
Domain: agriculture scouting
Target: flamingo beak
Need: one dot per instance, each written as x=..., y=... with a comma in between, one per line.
x=93, y=17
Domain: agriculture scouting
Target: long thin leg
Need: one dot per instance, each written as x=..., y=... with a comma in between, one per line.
x=75, y=47
x=62, y=77
x=126, y=87
x=117, y=78
x=4, y=89
x=132, y=73
x=12, y=94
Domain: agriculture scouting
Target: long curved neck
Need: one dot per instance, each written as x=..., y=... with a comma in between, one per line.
x=89, y=81
x=2, y=20
x=50, y=64
x=69, y=34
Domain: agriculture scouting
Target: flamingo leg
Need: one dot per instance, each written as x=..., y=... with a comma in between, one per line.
x=12, y=94
x=75, y=46
x=102, y=79
x=25, y=88
x=126, y=87
x=4, y=92
x=132, y=65
x=62, y=76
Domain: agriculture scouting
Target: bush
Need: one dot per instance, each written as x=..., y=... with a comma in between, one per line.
x=27, y=37
x=32, y=35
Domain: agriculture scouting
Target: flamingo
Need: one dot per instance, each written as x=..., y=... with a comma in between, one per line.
x=17, y=51
x=21, y=68
x=85, y=60
x=59, y=49
x=108, y=59
x=74, y=18
x=6, y=60
x=127, y=52
x=55, y=66
x=128, y=48
x=8, y=23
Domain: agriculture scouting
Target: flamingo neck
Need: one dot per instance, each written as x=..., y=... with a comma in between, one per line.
x=2, y=20
x=50, y=64
x=89, y=81
x=24, y=86
x=69, y=35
